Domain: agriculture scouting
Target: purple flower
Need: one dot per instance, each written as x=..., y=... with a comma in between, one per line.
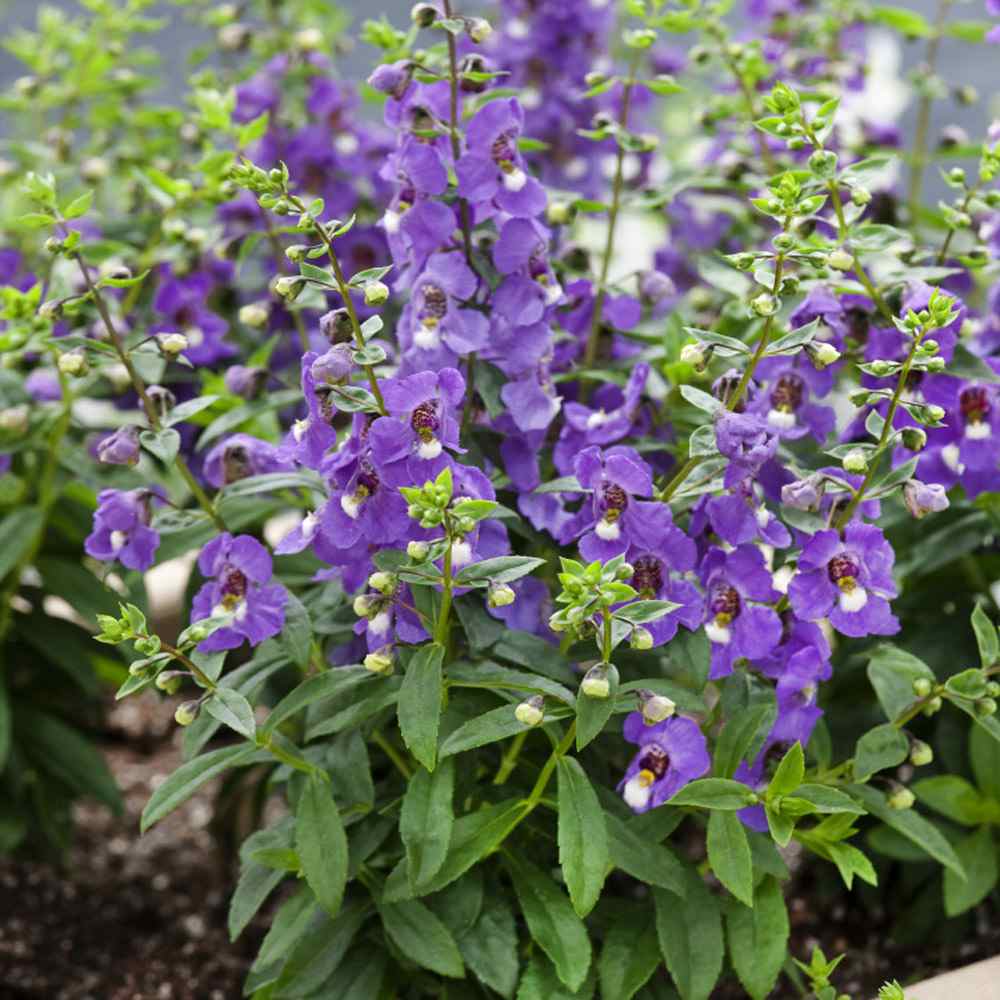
x=245, y=381
x=121, y=528
x=739, y=516
x=409, y=444
x=747, y=441
x=671, y=753
x=735, y=627
x=614, y=518
x=849, y=581
x=493, y=169
x=121, y=447
x=786, y=406
x=42, y=385
x=610, y=420
x=924, y=498
x=182, y=301
x=392, y=78
x=239, y=570
x=240, y=456
x=390, y=617
x=366, y=509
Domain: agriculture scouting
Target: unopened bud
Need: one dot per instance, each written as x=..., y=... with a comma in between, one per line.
x=993, y=689
x=933, y=706
x=934, y=412
x=531, y=712
x=478, y=29
x=308, y=39
x=693, y=354
x=376, y=292
x=500, y=595
x=655, y=707
x=380, y=662
x=73, y=363
x=901, y=798
x=187, y=712
x=914, y=438
x=840, y=260
x=384, y=583
x=288, y=287
x=986, y=706
x=921, y=753
x=169, y=681
x=253, y=314
x=559, y=213
x=822, y=354
x=172, y=343
x=861, y=196
x=363, y=605
x=423, y=15
x=336, y=325
x=855, y=461
x=418, y=551
x=764, y=304
x=641, y=638
x=922, y=687
x=595, y=683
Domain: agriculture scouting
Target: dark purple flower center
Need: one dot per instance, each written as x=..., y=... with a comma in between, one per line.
x=654, y=759
x=975, y=405
x=235, y=463
x=368, y=479
x=324, y=396
x=504, y=149
x=421, y=120
x=787, y=393
x=435, y=304
x=234, y=588
x=406, y=197
x=648, y=575
x=843, y=570
x=724, y=600
x=615, y=501
x=424, y=420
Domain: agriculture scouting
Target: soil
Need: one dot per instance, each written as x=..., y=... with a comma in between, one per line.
x=144, y=918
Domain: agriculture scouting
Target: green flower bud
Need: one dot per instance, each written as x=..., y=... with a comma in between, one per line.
x=922, y=687
x=986, y=706
x=901, y=798
x=423, y=15
x=169, y=681
x=929, y=347
x=74, y=363
x=560, y=213
x=655, y=707
x=478, y=29
x=921, y=753
x=861, y=196
x=380, y=662
x=693, y=354
x=935, y=412
x=500, y=595
x=288, y=287
x=384, y=583
x=933, y=706
x=187, y=712
x=855, y=461
x=417, y=551
x=308, y=39
x=595, y=683
x=53, y=245
x=254, y=314
x=993, y=689
x=914, y=438
x=531, y=712
x=641, y=638
x=822, y=354
x=363, y=605
x=840, y=260
x=764, y=305
x=783, y=242
x=172, y=343
x=376, y=292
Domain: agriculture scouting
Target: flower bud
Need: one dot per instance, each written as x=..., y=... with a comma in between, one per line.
x=803, y=494
x=822, y=354
x=922, y=687
x=172, y=343
x=14, y=418
x=120, y=448
x=693, y=354
x=595, y=683
x=478, y=29
x=914, y=438
x=162, y=398
x=384, y=583
x=901, y=798
x=929, y=347
x=500, y=595
x=254, y=314
x=187, y=712
x=423, y=15
x=924, y=498
x=138, y=668
x=921, y=753
x=655, y=707
x=308, y=39
x=50, y=309
x=855, y=461
x=418, y=551
x=169, y=681
x=336, y=326
x=861, y=196
x=764, y=305
x=934, y=412
x=986, y=706
x=245, y=381
x=288, y=287
x=933, y=706
x=380, y=662
x=74, y=363
x=640, y=638
x=233, y=37
x=993, y=689
x=119, y=273
x=376, y=292
x=364, y=605
x=559, y=213
x=840, y=260
x=531, y=712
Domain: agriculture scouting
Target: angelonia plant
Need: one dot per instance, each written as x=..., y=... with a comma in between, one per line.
x=578, y=445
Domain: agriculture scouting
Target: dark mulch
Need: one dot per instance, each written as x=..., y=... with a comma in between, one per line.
x=144, y=918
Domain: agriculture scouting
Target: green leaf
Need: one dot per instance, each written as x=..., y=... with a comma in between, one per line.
x=850, y=862
x=490, y=947
x=743, y=735
x=892, y=672
x=540, y=982
x=502, y=569
x=729, y=854
x=879, y=748
x=583, y=837
x=690, y=933
x=758, y=938
x=315, y=689
x=553, y=924
x=291, y=920
x=714, y=793
x=421, y=937
x=79, y=205
x=296, y=634
x=164, y=443
x=426, y=821
x=984, y=753
x=419, y=708
x=955, y=798
x=592, y=714
x=911, y=825
x=189, y=777
x=789, y=773
x=986, y=637
x=17, y=535
x=825, y=799
x=642, y=857
x=630, y=954
x=641, y=612
x=498, y=724
x=255, y=884
x=978, y=854
x=233, y=710
x=322, y=844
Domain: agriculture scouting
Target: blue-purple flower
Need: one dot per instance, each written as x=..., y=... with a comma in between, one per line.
x=239, y=571
x=671, y=753
x=121, y=528
x=747, y=441
x=240, y=456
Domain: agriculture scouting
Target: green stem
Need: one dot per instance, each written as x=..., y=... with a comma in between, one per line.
x=545, y=774
x=606, y=639
x=393, y=754
x=280, y=260
x=970, y=194
x=456, y=143
x=510, y=758
x=443, y=620
x=590, y=352
x=199, y=675
x=883, y=440
x=918, y=158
